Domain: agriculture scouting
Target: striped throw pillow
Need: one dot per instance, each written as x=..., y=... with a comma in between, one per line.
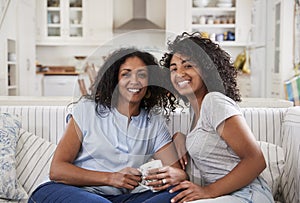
x=33, y=157
x=274, y=156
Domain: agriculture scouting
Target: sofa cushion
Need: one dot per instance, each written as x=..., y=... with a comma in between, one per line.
x=274, y=156
x=33, y=157
x=10, y=187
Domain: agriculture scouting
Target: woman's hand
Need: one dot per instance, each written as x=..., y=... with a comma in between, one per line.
x=127, y=178
x=190, y=192
x=164, y=177
x=179, y=142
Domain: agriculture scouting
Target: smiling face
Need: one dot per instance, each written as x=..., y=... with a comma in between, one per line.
x=133, y=81
x=185, y=77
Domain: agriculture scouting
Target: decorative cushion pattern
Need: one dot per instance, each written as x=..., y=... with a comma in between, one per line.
x=9, y=185
x=274, y=156
x=33, y=157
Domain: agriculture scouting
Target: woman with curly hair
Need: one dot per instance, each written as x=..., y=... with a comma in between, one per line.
x=110, y=134
x=220, y=144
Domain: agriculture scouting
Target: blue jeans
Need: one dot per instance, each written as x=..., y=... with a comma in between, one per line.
x=58, y=192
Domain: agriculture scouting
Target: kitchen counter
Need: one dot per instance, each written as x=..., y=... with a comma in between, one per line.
x=57, y=70
x=58, y=73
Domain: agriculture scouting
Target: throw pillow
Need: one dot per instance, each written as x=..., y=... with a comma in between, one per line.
x=10, y=187
x=275, y=161
x=33, y=157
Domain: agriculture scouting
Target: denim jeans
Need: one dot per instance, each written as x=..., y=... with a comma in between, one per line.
x=51, y=192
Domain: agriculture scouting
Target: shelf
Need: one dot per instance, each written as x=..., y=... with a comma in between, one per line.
x=213, y=26
x=231, y=44
x=75, y=8
x=76, y=25
x=220, y=23
x=54, y=25
x=213, y=9
x=11, y=87
x=11, y=73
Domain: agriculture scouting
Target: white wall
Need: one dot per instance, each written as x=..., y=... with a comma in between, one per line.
x=8, y=30
x=61, y=55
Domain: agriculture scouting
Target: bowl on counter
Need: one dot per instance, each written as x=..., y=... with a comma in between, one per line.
x=200, y=3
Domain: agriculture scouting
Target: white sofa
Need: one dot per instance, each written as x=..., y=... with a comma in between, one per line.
x=43, y=126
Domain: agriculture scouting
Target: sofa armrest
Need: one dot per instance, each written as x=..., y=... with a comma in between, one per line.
x=291, y=145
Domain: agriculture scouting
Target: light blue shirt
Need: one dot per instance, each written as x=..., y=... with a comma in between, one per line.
x=110, y=143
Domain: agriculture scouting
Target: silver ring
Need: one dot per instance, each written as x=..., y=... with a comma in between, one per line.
x=164, y=181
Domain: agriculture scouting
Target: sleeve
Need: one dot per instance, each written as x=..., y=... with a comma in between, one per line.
x=77, y=113
x=217, y=107
x=163, y=136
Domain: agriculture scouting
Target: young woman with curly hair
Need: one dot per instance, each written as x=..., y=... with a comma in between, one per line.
x=110, y=134
x=219, y=142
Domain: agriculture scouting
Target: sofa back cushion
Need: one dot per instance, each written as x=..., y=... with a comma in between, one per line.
x=48, y=122
x=266, y=123
x=33, y=156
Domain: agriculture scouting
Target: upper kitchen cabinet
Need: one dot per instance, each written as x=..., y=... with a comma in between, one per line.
x=73, y=22
x=225, y=21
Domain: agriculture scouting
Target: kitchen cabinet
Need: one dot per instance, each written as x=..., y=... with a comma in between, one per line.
x=60, y=85
x=227, y=23
x=73, y=22
x=279, y=46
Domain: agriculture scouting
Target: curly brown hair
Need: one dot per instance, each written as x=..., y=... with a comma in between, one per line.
x=107, y=80
x=217, y=71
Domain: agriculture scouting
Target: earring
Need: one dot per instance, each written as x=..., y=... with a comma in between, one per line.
x=148, y=94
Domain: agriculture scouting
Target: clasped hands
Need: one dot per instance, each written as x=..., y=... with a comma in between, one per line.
x=164, y=177
x=157, y=178
x=161, y=179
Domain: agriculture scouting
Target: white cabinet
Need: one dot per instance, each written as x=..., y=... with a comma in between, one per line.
x=75, y=22
x=228, y=24
x=60, y=85
x=280, y=31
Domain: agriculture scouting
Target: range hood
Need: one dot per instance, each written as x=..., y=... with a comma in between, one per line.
x=139, y=19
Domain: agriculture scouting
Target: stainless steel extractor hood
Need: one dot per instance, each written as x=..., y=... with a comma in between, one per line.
x=139, y=20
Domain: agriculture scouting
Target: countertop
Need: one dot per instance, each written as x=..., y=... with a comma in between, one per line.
x=58, y=73
x=57, y=70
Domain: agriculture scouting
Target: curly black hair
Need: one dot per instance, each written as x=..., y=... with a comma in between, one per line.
x=217, y=72
x=107, y=80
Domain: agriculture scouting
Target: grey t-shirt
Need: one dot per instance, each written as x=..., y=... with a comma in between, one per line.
x=209, y=151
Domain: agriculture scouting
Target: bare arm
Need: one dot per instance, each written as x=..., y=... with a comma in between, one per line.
x=63, y=170
x=168, y=155
x=239, y=137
